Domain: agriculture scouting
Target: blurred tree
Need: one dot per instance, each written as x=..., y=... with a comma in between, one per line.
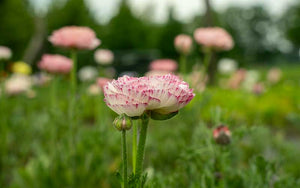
x=252, y=29
x=16, y=26
x=125, y=31
x=168, y=32
x=292, y=19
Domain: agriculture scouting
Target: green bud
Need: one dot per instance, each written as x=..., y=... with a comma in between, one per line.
x=122, y=122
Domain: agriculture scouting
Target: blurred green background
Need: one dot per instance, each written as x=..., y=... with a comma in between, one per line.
x=35, y=149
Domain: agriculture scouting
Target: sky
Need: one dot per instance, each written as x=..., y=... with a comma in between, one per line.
x=185, y=10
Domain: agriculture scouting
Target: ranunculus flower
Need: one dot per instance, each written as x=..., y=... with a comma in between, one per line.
x=156, y=94
x=17, y=84
x=183, y=43
x=214, y=37
x=55, y=64
x=21, y=67
x=75, y=37
x=168, y=65
x=5, y=53
x=222, y=135
x=87, y=73
x=227, y=66
x=104, y=57
x=101, y=82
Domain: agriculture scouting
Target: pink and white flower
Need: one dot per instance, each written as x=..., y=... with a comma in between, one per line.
x=5, y=53
x=55, y=64
x=183, y=43
x=167, y=65
x=104, y=57
x=214, y=37
x=75, y=37
x=160, y=94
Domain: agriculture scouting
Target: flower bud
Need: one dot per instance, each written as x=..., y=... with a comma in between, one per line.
x=122, y=122
x=222, y=135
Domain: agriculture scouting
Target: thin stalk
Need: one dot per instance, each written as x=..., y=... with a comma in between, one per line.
x=53, y=92
x=73, y=72
x=206, y=61
x=182, y=64
x=124, y=155
x=141, y=147
x=134, y=144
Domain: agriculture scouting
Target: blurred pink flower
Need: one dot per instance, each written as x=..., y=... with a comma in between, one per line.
x=75, y=37
x=222, y=135
x=156, y=73
x=101, y=82
x=104, y=57
x=237, y=78
x=167, y=65
x=258, y=88
x=161, y=94
x=93, y=90
x=55, y=64
x=5, y=53
x=274, y=75
x=183, y=43
x=214, y=37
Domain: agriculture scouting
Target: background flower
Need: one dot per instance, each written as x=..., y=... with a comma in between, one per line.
x=87, y=73
x=5, y=53
x=17, y=84
x=21, y=67
x=75, y=37
x=214, y=37
x=167, y=65
x=56, y=64
x=183, y=43
x=133, y=96
x=227, y=66
x=104, y=56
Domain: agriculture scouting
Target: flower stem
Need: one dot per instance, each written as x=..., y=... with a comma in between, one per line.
x=182, y=64
x=73, y=72
x=206, y=61
x=124, y=155
x=134, y=144
x=53, y=92
x=141, y=146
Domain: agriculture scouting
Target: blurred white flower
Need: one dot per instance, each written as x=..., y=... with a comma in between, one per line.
x=17, y=84
x=87, y=73
x=104, y=57
x=94, y=89
x=252, y=77
x=227, y=66
x=5, y=53
x=40, y=79
x=129, y=73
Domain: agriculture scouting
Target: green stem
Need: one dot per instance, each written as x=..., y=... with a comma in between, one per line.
x=134, y=144
x=141, y=146
x=73, y=72
x=206, y=61
x=124, y=154
x=53, y=92
x=182, y=64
